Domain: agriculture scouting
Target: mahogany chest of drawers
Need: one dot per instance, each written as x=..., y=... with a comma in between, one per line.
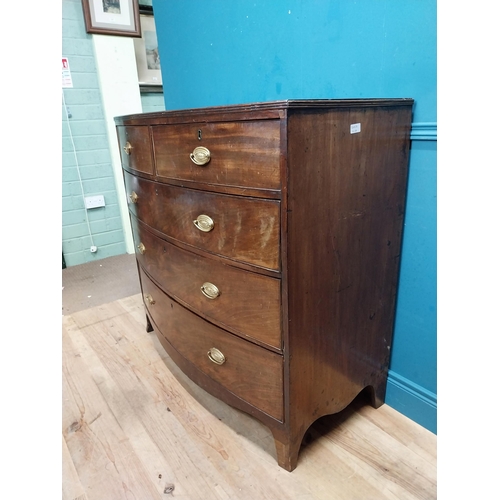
x=268, y=242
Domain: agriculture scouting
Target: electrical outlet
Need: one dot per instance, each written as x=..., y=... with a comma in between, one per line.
x=93, y=249
x=94, y=201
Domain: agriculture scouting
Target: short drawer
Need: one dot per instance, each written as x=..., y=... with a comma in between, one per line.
x=243, y=302
x=252, y=373
x=239, y=228
x=135, y=148
x=237, y=153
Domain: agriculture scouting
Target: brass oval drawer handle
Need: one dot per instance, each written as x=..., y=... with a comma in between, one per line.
x=150, y=299
x=141, y=248
x=200, y=155
x=204, y=223
x=210, y=290
x=216, y=356
x=127, y=148
x=133, y=197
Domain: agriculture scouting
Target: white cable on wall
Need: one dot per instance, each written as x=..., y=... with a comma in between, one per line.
x=77, y=166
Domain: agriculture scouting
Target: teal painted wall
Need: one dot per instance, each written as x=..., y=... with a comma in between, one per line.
x=152, y=102
x=220, y=52
x=411, y=387
x=86, y=160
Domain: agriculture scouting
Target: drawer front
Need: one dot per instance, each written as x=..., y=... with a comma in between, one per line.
x=243, y=302
x=252, y=373
x=243, y=229
x=135, y=148
x=240, y=153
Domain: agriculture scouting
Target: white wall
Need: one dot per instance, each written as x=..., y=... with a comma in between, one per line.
x=117, y=73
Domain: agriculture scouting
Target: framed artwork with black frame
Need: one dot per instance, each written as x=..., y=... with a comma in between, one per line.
x=146, y=53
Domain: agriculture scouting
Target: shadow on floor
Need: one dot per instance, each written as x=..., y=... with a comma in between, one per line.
x=99, y=282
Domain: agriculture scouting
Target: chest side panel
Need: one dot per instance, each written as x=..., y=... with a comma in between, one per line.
x=347, y=182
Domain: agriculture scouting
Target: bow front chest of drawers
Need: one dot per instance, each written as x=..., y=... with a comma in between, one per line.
x=268, y=239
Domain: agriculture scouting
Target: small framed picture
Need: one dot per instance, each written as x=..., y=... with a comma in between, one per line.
x=112, y=17
x=146, y=54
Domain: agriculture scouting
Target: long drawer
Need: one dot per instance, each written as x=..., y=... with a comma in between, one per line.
x=243, y=302
x=252, y=373
x=226, y=153
x=239, y=228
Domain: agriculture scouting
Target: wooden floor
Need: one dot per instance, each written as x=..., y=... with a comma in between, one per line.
x=134, y=427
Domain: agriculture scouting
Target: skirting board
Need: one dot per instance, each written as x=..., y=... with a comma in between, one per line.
x=412, y=400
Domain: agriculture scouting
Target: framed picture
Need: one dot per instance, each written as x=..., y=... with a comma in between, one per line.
x=146, y=55
x=112, y=17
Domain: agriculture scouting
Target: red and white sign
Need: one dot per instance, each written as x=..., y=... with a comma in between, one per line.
x=67, y=82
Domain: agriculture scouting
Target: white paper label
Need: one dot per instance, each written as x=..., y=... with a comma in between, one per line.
x=67, y=82
x=355, y=128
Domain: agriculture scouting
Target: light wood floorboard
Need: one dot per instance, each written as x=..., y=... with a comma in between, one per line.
x=134, y=427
